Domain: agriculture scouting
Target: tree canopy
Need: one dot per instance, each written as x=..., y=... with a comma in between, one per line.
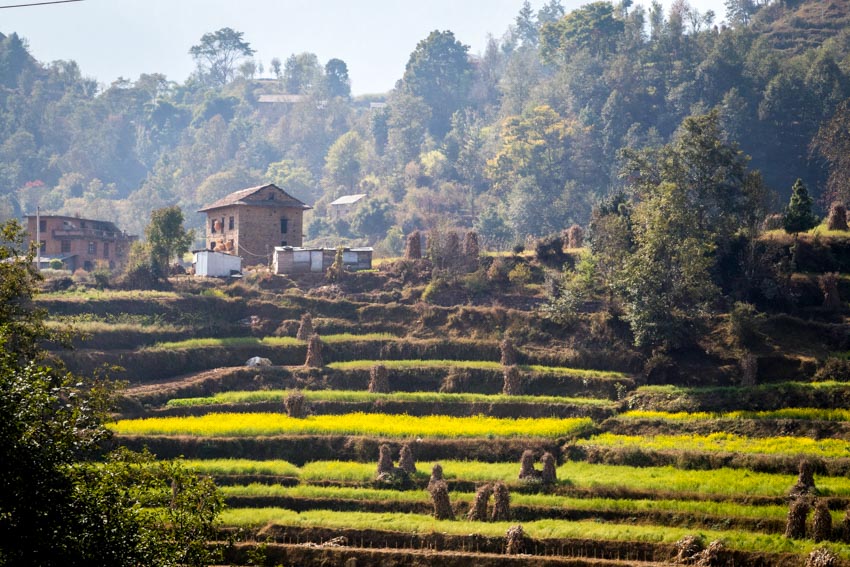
x=218, y=54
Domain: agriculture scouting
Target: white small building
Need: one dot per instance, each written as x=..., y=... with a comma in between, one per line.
x=344, y=205
x=290, y=260
x=216, y=264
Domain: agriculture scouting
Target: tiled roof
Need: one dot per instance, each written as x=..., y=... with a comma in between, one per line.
x=237, y=198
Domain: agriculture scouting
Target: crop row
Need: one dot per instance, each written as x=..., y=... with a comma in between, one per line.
x=725, y=443
x=539, y=529
x=723, y=483
x=809, y=414
x=354, y=396
x=600, y=505
x=266, y=424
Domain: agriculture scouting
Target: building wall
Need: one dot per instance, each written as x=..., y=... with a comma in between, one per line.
x=82, y=238
x=256, y=230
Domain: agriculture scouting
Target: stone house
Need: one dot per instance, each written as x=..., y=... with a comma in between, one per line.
x=251, y=222
x=78, y=242
x=343, y=206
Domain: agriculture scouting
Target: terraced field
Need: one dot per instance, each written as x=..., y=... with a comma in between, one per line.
x=296, y=448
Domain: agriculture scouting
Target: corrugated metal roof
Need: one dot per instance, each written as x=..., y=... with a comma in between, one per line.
x=348, y=199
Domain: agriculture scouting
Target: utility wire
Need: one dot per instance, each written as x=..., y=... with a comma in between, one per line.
x=38, y=4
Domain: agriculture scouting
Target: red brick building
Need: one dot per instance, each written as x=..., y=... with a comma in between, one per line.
x=250, y=222
x=78, y=242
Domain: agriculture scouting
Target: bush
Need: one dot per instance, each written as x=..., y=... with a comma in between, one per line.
x=520, y=275
x=549, y=252
x=833, y=370
x=56, y=264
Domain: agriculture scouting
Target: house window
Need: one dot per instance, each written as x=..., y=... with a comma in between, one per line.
x=42, y=226
x=212, y=226
x=106, y=250
x=230, y=224
x=92, y=248
x=42, y=247
x=66, y=246
x=270, y=197
x=284, y=226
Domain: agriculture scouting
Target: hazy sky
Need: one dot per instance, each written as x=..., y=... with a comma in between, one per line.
x=123, y=38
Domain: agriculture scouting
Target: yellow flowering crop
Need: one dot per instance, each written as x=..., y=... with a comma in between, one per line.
x=259, y=424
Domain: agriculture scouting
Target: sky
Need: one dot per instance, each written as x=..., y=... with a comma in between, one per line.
x=124, y=38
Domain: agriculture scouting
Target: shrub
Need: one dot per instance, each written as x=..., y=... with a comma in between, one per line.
x=549, y=252
x=55, y=264
x=837, y=219
x=478, y=509
x=305, y=328
x=314, y=352
x=821, y=522
x=501, y=503
x=743, y=326
x=378, y=379
x=498, y=272
x=575, y=237
x=833, y=369
x=512, y=382
x=439, y=492
x=795, y=525
x=295, y=404
x=406, y=461
x=520, y=275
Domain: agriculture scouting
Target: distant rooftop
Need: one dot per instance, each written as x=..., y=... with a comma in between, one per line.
x=280, y=98
x=237, y=198
x=348, y=199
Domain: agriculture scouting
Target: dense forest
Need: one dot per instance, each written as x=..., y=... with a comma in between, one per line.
x=523, y=140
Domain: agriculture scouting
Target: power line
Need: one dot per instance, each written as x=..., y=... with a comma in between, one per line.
x=39, y=4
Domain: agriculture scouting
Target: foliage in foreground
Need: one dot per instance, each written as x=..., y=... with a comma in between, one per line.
x=55, y=508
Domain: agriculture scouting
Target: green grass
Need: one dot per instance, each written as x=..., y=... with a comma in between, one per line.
x=727, y=443
x=809, y=414
x=92, y=294
x=698, y=507
x=475, y=364
x=244, y=397
x=724, y=482
x=540, y=529
x=266, y=424
x=267, y=341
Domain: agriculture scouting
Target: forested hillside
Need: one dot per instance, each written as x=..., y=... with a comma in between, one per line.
x=521, y=140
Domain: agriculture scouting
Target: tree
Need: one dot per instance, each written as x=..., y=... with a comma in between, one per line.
x=301, y=73
x=439, y=72
x=344, y=161
x=833, y=144
x=526, y=27
x=337, y=82
x=592, y=27
x=166, y=235
x=57, y=506
x=798, y=215
x=218, y=54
